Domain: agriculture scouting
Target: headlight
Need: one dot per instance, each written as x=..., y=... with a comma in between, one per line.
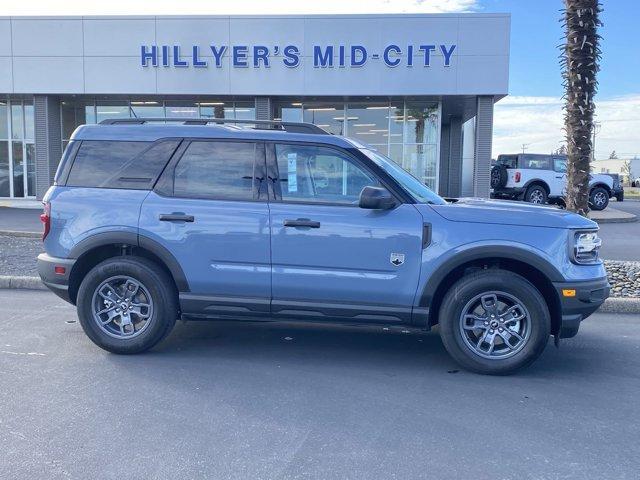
x=586, y=247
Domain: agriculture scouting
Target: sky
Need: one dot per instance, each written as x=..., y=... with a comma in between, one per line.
x=530, y=115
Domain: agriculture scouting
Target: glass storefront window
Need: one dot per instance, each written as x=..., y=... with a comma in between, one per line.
x=146, y=108
x=422, y=162
x=216, y=109
x=181, y=109
x=4, y=120
x=105, y=110
x=18, y=169
x=17, y=131
x=396, y=122
x=421, y=122
x=5, y=189
x=29, y=121
x=245, y=110
x=329, y=116
x=17, y=121
x=288, y=112
x=30, y=149
x=369, y=122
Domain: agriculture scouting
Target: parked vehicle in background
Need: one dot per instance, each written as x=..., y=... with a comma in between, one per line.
x=148, y=223
x=617, y=189
x=540, y=179
x=635, y=182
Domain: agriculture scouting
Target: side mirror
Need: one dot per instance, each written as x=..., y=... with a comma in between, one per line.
x=376, y=198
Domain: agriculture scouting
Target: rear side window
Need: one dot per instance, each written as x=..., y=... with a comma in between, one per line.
x=109, y=164
x=508, y=161
x=536, y=162
x=220, y=170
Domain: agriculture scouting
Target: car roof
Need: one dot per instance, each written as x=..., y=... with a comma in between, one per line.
x=153, y=132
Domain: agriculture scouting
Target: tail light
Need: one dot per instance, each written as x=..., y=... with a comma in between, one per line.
x=45, y=218
x=517, y=177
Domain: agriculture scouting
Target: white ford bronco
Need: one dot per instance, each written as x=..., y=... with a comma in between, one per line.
x=537, y=178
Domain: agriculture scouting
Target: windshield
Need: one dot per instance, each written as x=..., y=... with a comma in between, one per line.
x=418, y=190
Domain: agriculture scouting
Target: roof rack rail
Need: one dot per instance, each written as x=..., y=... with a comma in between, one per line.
x=291, y=127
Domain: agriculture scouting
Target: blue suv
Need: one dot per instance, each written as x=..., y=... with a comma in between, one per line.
x=148, y=222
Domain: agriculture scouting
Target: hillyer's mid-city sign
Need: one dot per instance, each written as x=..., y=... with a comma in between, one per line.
x=327, y=56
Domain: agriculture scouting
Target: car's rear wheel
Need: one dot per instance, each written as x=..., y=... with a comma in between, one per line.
x=494, y=322
x=127, y=304
x=536, y=194
x=599, y=198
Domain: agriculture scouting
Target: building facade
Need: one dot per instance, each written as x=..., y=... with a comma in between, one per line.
x=405, y=84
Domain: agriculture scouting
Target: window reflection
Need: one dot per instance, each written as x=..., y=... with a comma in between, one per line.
x=17, y=176
x=369, y=122
x=329, y=116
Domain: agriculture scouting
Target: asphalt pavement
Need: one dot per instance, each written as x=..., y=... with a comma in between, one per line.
x=621, y=241
x=274, y=401
x=20, y=219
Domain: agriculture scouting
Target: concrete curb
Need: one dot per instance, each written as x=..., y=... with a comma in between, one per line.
x=26, y=283
x=621, y=305
x=631, y=219
x=18, y=233
x=611, y=305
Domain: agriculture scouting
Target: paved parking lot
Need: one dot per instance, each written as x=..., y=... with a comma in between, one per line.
x=263, y=401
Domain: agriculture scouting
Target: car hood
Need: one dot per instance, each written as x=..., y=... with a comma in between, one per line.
x=501, y=212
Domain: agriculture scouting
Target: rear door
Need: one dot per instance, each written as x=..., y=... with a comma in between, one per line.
x=330, y=257
x=210, y=212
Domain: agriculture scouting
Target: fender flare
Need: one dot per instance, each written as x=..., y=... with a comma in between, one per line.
x=508, y=252
x=601, y=185
x=536, y=180
x=130, y=238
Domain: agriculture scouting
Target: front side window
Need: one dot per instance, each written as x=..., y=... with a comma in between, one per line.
x=560, y=165
x=221, y=170
x=320, y=174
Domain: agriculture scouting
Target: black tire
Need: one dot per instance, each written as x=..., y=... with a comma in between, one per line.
x=536, y=194
x=598, y=199
x=160, y=288
x=504, y=282
x=620, y=197
x=499, y=176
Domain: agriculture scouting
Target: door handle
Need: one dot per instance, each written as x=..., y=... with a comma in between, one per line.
x=176, y=217
x=301, y=222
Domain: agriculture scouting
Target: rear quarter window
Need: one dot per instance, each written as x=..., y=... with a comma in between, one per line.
x=113, y=164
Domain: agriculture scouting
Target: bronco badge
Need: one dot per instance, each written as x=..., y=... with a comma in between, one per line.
x=397, y=259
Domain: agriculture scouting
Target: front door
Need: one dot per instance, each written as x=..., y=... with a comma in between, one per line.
x=209, y=213
x=331, y=258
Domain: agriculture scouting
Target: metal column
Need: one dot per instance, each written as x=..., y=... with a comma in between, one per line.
x=48, y=135
x=482, y=151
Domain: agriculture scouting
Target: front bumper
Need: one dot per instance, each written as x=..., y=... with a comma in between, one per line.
x=587, y=299
x=58, y=283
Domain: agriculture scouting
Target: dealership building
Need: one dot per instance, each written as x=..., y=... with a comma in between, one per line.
x=419, y=88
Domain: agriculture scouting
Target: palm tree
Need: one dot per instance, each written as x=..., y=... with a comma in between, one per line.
x=580, y=58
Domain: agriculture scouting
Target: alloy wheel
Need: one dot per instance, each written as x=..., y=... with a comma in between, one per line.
x=495, y=325
x=122, y=307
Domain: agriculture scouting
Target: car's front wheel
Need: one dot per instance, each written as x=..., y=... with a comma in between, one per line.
x=127, y=304
x=494, y=322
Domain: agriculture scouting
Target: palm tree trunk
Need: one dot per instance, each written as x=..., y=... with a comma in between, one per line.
x=580, y=58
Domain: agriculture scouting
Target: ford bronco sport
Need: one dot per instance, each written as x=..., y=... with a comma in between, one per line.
x=147, y=223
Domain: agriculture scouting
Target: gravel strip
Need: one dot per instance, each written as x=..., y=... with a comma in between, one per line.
x=18, y=257
x=624, y=278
